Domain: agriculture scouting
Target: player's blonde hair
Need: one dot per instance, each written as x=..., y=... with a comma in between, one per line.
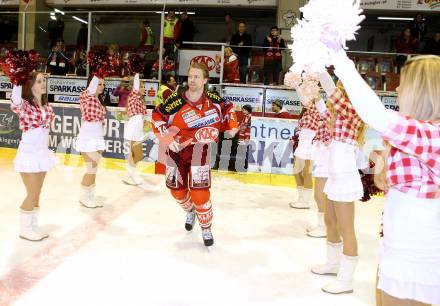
x=419, y=89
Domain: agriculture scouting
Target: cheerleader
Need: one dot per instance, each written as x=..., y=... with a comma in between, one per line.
x=409, y=260
x=33, y=157
x=308, y=124
x=134, y=130
x=343, y=187
x=320, y=156
x=90, y=141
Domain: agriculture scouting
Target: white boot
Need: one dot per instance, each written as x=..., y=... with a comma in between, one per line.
x=320, y=230
x=92, y=196
x=85, y=198
x=26, y=230
x=331, y=267
x=303, y=202
x=344, y=281
x=35, y=217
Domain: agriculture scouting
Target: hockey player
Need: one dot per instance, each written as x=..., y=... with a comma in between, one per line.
x=186, y=123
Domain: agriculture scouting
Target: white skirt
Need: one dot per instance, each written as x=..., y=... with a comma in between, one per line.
x=90, y=137
x=134, y=129
x=33, y=155
x=320, y=156
x=409, y=258
x=344, y=182
x=304, y=149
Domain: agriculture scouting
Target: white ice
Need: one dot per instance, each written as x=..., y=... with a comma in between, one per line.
x=135, y=250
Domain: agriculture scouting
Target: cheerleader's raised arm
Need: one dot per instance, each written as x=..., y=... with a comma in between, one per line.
x=16, y=95
x=362, y=97
x=93, y=86
x=136, y=83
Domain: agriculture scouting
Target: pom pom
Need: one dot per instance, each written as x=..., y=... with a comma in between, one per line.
x=292, y=79
x=100, y=63
x=368, y=183
x=339, y=20
x=324, y=30
x=18, y=65
x=135, y=64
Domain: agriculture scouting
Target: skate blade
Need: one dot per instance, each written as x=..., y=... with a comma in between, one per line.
x=24, y=238
x=324, y=274
x=338, y=293
x=88, y=206
x=322, y=236
x=126, y=182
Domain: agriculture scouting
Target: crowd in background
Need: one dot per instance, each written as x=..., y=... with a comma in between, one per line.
x=179, y=31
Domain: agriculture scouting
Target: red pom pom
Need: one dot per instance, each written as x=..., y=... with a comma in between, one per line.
x=18, y=65
x=135, y=63
x=100, y=63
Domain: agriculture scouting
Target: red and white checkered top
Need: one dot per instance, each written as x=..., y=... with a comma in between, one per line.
x=91, y=109
x=323, y=134
x=31, y=117
x=348, y=122
x=136, y=105
x=414, y=159
x=310, y=118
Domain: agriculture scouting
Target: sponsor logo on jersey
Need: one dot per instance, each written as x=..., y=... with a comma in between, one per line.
x=213, y=96
x=207, y=134
x=189, y=114
x=173, y=105
x=191, y=119
x=205, y=121
x=211, y=111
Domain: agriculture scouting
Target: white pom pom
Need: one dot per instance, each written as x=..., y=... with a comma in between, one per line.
x=324, y=30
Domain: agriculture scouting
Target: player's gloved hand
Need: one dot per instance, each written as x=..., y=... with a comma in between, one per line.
x=231, y=133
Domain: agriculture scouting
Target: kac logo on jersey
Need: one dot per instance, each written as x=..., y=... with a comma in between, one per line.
x=207, y=60
x=207, y=135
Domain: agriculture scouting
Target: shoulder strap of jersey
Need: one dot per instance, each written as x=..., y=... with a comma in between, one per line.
x=214, y=97
x=172, y=104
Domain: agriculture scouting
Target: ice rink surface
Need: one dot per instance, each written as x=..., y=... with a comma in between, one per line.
x=135, y=250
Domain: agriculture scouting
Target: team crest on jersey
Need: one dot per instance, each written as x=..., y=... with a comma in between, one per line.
x=207, y=134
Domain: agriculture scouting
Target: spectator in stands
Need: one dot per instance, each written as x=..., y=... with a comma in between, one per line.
x=229, y=28
x=238, y=40
x=171, y=32
x=418, y=27
x=244, y=134
x=122, y=92
x=79, y=61
x=167, y=87
x=273, y=57
x=57, y=61
x=55, y=29
x=150, y=57
x=115, y=57
x=279, y=110
x=81, y=38
x=169, y=67
x=433, y=45
x=231, y=73
x=147, y=36
x=187, y=31
x=405, y=44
